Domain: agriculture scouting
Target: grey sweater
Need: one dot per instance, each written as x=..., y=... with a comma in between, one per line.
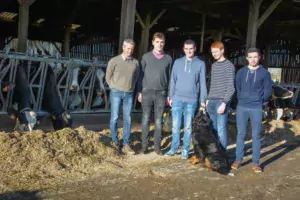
x=122, y=75
x=222, y=81
x=155, y=73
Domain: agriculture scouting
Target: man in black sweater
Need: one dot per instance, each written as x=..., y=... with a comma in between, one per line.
x=153, y=89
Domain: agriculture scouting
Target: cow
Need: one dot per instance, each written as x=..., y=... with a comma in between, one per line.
x=26, y=119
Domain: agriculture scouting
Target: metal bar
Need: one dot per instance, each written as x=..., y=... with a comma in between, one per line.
x=63, y=60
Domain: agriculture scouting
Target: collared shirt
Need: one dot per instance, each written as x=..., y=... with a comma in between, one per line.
x=125, y=59
x=158, y=55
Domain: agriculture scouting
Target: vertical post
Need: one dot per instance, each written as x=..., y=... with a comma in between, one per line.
x=145, y=36
x=23, y=26
x=253, y=23
x=267, y=56
x=67, y=41
x=202, y=33
x=127, y=21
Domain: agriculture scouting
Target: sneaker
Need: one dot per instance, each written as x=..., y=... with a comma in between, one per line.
x=236, y=165
x=127, y=149
x=158, y=152
x=170, y=153
x=257, y=169
x=184, y=154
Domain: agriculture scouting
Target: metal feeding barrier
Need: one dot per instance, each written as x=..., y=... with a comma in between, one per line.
x=92, y=72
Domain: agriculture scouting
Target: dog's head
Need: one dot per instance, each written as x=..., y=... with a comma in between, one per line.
x=202, y=118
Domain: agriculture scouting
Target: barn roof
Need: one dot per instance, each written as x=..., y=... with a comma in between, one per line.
x=183, y=18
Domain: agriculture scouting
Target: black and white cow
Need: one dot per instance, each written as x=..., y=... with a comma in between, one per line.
x=23, y=112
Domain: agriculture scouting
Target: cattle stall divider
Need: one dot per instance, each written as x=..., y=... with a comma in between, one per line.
x=64, y=67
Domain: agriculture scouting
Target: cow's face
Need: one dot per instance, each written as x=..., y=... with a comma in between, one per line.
x=26, y=121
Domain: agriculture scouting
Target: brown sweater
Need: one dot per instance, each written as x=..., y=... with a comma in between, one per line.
x=122, y=75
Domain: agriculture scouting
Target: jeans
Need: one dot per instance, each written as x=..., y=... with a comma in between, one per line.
x=117, y=98
x=218, y=121
x=188, y=109
x=158, y=99
x=242, y=116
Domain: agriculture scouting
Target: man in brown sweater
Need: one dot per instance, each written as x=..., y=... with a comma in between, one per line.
x=121, y=75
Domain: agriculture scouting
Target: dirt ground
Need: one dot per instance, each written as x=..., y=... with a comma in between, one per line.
x=54, y=170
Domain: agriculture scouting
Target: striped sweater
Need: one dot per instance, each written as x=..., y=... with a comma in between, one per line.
x=222, y=81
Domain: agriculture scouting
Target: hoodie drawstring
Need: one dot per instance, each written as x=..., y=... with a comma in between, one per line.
x=248, y=75
x=185, y=66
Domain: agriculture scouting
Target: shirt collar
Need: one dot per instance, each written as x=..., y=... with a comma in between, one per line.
x=123, y=57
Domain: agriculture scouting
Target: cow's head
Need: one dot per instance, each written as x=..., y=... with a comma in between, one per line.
x=26, y=120
x=61, y=121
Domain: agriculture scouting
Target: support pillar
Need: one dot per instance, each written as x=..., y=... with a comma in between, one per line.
x=67, y=39
x=254, y=21
x=127, y=21
x=146, y=26
x=202, y=32
x=23, y=24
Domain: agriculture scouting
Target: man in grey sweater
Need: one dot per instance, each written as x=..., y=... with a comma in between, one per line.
x=121, y=75
x=153, y=90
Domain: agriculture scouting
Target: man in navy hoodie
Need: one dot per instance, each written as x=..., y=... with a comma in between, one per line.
x=186, y=82
x=254, y=87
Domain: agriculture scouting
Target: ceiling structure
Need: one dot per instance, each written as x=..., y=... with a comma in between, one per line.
x=183, y=19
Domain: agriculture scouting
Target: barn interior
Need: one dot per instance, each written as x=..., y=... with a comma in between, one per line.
x=93, y=29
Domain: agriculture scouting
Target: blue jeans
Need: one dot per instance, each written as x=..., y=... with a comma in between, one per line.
x=188, y=109
x=117, y=98
x=242, y=116
x=218, y=121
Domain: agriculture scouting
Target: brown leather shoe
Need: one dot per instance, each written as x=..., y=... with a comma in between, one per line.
x=257, y=169
x=236, y=165
x=158, y=152
x=127, y=149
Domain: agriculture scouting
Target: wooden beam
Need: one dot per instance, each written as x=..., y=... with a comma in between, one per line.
x=23, y=27
x=127, y=21
x=140, y=19
x=158, y=17
x=268, y=12
x=252, y=23
x=66, y=48
x=203, y=32
x=26, y=2
x=145, y=36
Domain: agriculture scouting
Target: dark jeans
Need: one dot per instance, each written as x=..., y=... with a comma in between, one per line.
x=242, y=116
x=158, y=99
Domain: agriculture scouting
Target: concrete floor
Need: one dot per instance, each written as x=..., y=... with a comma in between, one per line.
x=95, y=122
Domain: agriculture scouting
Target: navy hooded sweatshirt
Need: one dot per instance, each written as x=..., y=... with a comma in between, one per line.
x=188, y=79
x=254, y=87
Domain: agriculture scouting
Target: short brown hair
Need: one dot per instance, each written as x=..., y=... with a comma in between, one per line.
x=159, y=35
x=189, y=41
x=217, y=44
x=253, y=50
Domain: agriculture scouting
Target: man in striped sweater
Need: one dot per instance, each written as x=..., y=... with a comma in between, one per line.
x=221, y=92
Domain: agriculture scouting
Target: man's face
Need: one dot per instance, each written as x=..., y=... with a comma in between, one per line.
x=189, y=50
x=158, y=44
x=253, y=59
x=217, y=53
x=128, y=50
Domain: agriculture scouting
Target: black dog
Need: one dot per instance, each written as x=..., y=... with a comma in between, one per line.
x=207, y=148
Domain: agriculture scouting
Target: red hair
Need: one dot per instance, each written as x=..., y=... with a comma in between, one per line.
x=218, y=45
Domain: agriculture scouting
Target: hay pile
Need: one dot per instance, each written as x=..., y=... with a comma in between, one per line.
x=38, y=160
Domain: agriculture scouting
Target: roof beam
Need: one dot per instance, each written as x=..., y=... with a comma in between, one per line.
x=268, y=12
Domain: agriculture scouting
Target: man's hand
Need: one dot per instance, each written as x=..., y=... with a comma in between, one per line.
x=203, y=105
x=206, y=103
x=169, y=101
x=222, y=108
x=140, y=97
